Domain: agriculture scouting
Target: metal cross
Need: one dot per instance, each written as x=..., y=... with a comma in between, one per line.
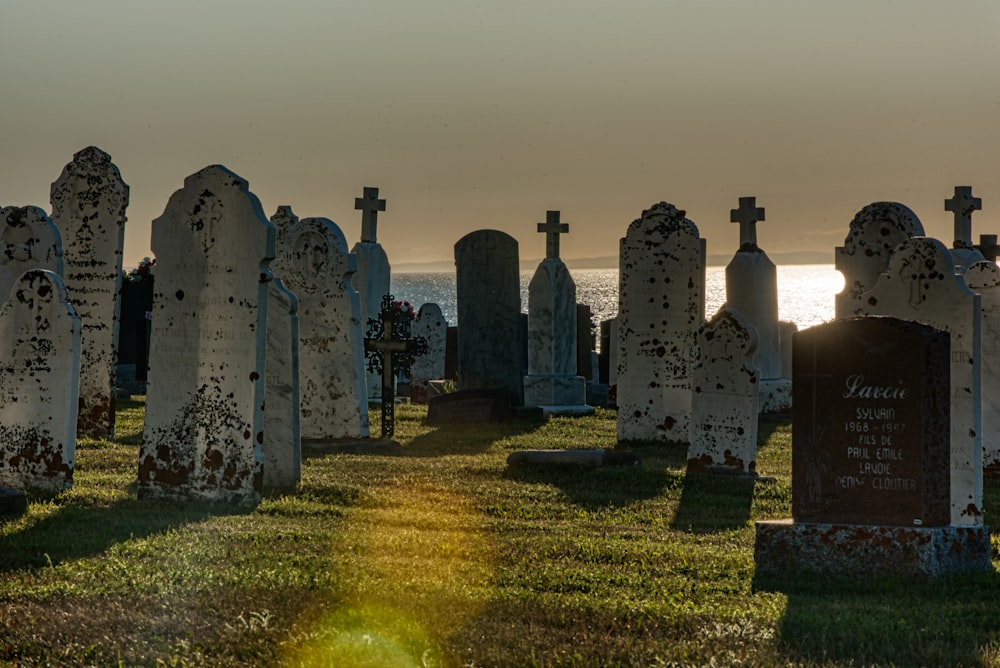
x=748, y=215
x=370, y=205
x=390, y=351
x=963, y=204
x=552, y=228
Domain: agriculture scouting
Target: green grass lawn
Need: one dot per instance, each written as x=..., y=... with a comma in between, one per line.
x=441, y=556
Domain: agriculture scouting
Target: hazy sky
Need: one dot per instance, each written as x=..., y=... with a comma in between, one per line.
x=472, y=115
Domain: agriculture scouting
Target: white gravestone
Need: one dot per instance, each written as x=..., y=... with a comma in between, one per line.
x=282, y=430
x=661, y=305
x=39, y=384
x=205, y=398
x=724, y=397
x=88, y=206
x=984, y=278
x=433, y=328
x=30, y=240
x=373, y=275
x=920, y=284
x=552, y=381
x=875, y=232
x=962, y=204
x=752, y=289
x=314, y=263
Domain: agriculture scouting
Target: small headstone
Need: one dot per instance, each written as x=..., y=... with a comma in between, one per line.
x=431, y=326
x=724, y=397
x=988, y=246
x=372, y=277
x=205, y=400
x=30, y=240
x=12, y=502
x=469, y=406
x=282, y=411
x=88, y=206
x=39, y=384
x=661, y=306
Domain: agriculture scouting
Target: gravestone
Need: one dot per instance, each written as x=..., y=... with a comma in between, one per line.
x=586, y=355
x=870, y=442
x=984, y=279
x=88, y=206
x=962, y=204
x=314, y=263
x=988, y=246
x=282, y=410
x=431, y=326
x=661, y=305
x=920, y=284
x=752, y=289
x=490, y=337
x=205, y=400
x=134, y=324
x=552, y=382
x=787, y=330
x=875, y=232
x=390, y=350
x=39, y=384
x=725, y=393
x=30, y=240
x=372, y=277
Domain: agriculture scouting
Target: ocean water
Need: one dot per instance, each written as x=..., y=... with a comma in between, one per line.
x=805, y=291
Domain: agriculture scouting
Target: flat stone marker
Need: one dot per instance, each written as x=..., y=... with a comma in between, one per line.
x=30, y=240
x=39, y=384
x=89, y=200
x=205, y=401
x=469, y=406
x=372, y=278
x=282, y=410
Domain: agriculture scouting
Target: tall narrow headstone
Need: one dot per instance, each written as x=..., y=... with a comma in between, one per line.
x=88, y=206
x=205, y=399
x=314, y=263
x=875, y=232
x=433, y=328
x=752, y=289
x=282, y=411
x=30, y=240
x=552, y=381
x=725, y=393
x=660, y=308
x=372, y=277
x=920, y=284
x=490, y=338
x=962, y=204
x=984, y=279
x=39, y=384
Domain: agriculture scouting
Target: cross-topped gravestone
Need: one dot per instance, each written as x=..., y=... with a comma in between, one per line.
x=748, y=215
x=390, y=350
x=962, y=205
x=552, y=228
x=369, y=205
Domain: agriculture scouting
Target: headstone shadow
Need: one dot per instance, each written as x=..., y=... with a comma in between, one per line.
x=467, y=438
x=712, y=503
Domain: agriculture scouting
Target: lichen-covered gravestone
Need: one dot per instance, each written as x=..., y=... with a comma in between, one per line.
x=29, y=240
x=205, y=399
x=88, y=206
x=314, y=263
x=661, y=305
x=433, y=328
x=724, y=397
x=39, y=382
x=490, y=334
x=282, y=412
x=372, y=276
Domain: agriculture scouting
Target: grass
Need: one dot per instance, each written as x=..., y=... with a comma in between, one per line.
x=444, y=557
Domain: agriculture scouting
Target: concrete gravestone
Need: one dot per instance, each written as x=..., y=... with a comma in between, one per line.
x=490, y=337
x=314, y=263
x=724, y=397
x=282, y=410
x=433, y=328
x=39, y=383
x=660, y=308
x=30, y=240
x=88, y=206
x=373, y=274
x=205, y=401
x=962, y=204
x=552, y=382
x=984, y=279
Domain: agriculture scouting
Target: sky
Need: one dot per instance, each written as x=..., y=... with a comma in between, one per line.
x=471, y=115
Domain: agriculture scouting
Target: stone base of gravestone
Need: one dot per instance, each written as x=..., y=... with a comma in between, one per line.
x=12, y=502
x=786, y=548
x=775, y=395
x=127, y=382
x=467, y=406
x=566, y=392
x=579, y=458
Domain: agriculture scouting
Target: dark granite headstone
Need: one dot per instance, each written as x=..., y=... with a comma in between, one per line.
x=451, y=354
x=871, y=423
x=467, y=406
x=604, y=357
x=584, y=342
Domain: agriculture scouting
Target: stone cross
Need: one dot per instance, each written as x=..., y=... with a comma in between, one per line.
x=963, y=204
x=748, y=215
x=390, y=350
x=369, y=205
x=552, y=228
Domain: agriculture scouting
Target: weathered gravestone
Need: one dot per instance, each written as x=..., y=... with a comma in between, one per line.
x=870, y=444
x=490, y=337
x=752, y=289
x=660, y=308
x=30, y=240
x=988, y=246
x=390, y=350
x=39, y=384
x=962, y=204
x=552, y=382
x=314, y=263
x=875, y=232
x=724, y=397
x=984, y=279
x=431, y=326
x=372, y=277
x=205, y=401
x=282, y=411
x=920, y=284
x=88, y=206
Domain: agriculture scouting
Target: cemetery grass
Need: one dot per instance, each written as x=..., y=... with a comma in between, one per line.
x=439, y=555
